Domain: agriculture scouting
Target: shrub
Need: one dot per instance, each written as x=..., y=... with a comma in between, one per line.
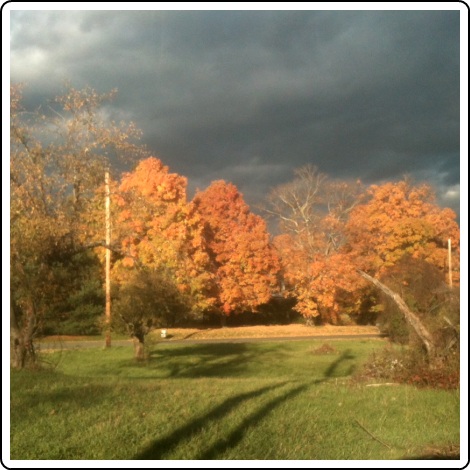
x=409, y=365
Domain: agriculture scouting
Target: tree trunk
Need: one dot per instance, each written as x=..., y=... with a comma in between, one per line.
x=21, y=341
x=139, y=350
x=410, y=317
x=17, y=349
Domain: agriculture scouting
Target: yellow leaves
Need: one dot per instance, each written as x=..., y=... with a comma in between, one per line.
x=307, y=306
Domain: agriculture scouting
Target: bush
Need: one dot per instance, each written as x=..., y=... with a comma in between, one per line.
x=384, y=365
x=393, y=324
x=345, y=319
x=148, y=299
x=410, y=365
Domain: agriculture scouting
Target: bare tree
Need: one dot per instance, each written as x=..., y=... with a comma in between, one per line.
x=313, y=209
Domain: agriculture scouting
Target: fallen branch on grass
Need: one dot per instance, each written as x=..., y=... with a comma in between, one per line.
x=371, y=435
x=380, y=385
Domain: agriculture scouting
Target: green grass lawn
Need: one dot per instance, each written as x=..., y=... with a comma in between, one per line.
x=270, y=400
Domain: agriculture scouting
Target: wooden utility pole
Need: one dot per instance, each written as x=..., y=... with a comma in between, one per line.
x=108, y=262
x=450, y=261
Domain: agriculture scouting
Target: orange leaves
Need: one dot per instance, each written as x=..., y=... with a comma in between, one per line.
x=294, y=261
x=215, y=247
x=152, y=180
x=342, y=230
x=328, y=280
x=400, y=220
x=243, y=263
x=160, y=230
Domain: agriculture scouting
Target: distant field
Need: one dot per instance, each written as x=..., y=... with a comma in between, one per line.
x=268, y=331
x=266, y=401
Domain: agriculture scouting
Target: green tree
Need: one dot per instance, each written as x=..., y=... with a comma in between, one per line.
x=148, y=299
x=78, y=307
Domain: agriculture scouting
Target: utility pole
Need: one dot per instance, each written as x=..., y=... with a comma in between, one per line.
x=450, y=261
x=108, y=262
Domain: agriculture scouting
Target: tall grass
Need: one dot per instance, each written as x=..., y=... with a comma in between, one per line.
x=268, y=400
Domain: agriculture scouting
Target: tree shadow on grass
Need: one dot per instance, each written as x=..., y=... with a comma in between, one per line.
x=332, y=370
x=87, y=395
x=162, y=446
x=221, y=360
x=74, y=396
x=237, y=434
x=216, y=360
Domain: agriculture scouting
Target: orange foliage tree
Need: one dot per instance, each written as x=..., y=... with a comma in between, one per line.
x=159, y=231
x=401, y=219
x=243, y=264
x=331, y=230
x=325, y=286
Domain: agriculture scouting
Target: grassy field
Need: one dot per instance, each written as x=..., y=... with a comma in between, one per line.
x=260, y=331
x=270, y=400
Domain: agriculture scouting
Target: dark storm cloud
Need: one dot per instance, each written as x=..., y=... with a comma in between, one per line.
x=249, y=95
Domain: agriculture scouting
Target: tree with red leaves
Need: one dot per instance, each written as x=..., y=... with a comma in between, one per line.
x=243, y=264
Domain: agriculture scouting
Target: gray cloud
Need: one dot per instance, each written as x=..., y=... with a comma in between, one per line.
x=249, y=95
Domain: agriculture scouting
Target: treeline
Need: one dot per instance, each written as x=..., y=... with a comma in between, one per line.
x=174, y=259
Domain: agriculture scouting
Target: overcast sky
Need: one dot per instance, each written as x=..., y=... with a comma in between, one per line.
x=247, y=96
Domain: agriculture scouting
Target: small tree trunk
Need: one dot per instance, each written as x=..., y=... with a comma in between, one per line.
x=223, y=320
x=410, y=317
x=16, y=348
x=21, y=341
x=139, y=350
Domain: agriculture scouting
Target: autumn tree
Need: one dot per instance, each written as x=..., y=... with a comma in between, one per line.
x=58, y=154
x=242, y=263
x=332, y=228
x=312, y=211
x=296, y=206
x=401, y=219
x=160, y=237
x=401, y=225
